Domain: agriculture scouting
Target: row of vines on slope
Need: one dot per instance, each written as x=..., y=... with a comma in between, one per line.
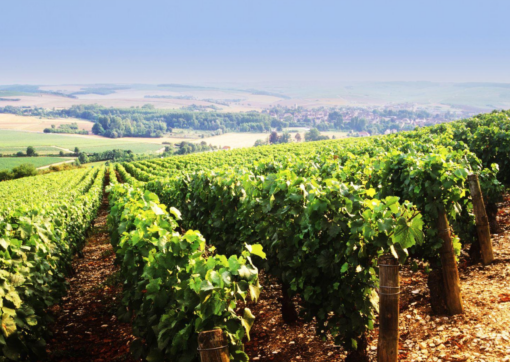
x=43, y=222
x=175, y=285
x=325, y=211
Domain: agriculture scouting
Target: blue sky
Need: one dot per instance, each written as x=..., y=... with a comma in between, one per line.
x=111, y=41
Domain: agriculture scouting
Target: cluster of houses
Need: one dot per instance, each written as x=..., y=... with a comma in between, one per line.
x=300, y=115
x=372, y=114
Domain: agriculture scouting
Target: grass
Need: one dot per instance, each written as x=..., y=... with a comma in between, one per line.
x=135, y=147
x=7, y=163
x=41, y=150
x=18, y=140
x=14, y=141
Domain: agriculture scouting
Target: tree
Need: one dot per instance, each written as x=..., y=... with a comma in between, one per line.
x=76, y=150
x=273, y=138
x=260, y=143
x=314, y=135
x=5, y=175
x=298, y=137
x=97, y=129
x=83, y=158
x=336, y=119
x=285, y=138
x=61, y=153
x=358, y=124
x=30, y=151
x=24, y=170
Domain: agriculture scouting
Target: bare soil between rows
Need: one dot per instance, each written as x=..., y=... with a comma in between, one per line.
x=86, y=328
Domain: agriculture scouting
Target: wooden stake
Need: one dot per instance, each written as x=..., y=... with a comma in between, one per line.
x=213, y=346
x=449, y=265
x=482, y=221
x=389, y=290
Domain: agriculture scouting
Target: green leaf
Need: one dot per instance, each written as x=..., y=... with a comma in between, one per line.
x=234, y=264
x=256, y=249
x=176, y=213
x=255, y=291
x=247, y=321
x=156, y=209
x=247, y=272
x=461, y=172
x=8, y=325
x=374, y=299
x=240, y=356
x=408, y=234
x=14, y=298
x=31, y=320
x=227, y=278
x=344, y=267
x=385, y=224
x=11, y=352
x=371, y=192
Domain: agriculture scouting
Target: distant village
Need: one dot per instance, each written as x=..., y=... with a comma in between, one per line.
x=364, y=121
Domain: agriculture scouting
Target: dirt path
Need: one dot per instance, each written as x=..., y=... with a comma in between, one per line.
x=85, y=327
x=482, y=333
x=56, y=164
x=63, y=149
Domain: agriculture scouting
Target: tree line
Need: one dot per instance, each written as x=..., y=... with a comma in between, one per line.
x=66, y=128
x=146, y=121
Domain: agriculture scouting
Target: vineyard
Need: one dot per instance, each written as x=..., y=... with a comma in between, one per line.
x=193, y=236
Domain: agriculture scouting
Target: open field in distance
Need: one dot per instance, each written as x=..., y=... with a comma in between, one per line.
x=14, y=141
x=22, y=133
x=35, y=124
x=6, y=163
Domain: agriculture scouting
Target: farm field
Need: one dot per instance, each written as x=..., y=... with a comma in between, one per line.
x=7, y=163
x=35, y=124
x=14, y=141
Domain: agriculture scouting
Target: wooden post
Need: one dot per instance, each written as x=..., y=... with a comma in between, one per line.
x=213, y=346
x=389, y=290
x=449, y=265
x=482, y=222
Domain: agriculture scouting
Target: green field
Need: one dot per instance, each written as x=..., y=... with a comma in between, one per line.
x=41, y=150
x=135, y=147
x=6, y=163
x=14, y=141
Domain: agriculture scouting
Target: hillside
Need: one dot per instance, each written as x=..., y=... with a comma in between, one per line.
x=330, y=250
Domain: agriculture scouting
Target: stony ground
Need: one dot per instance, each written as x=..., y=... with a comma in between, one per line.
x=482, y=333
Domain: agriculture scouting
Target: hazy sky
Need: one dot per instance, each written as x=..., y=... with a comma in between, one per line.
x=87, y=41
